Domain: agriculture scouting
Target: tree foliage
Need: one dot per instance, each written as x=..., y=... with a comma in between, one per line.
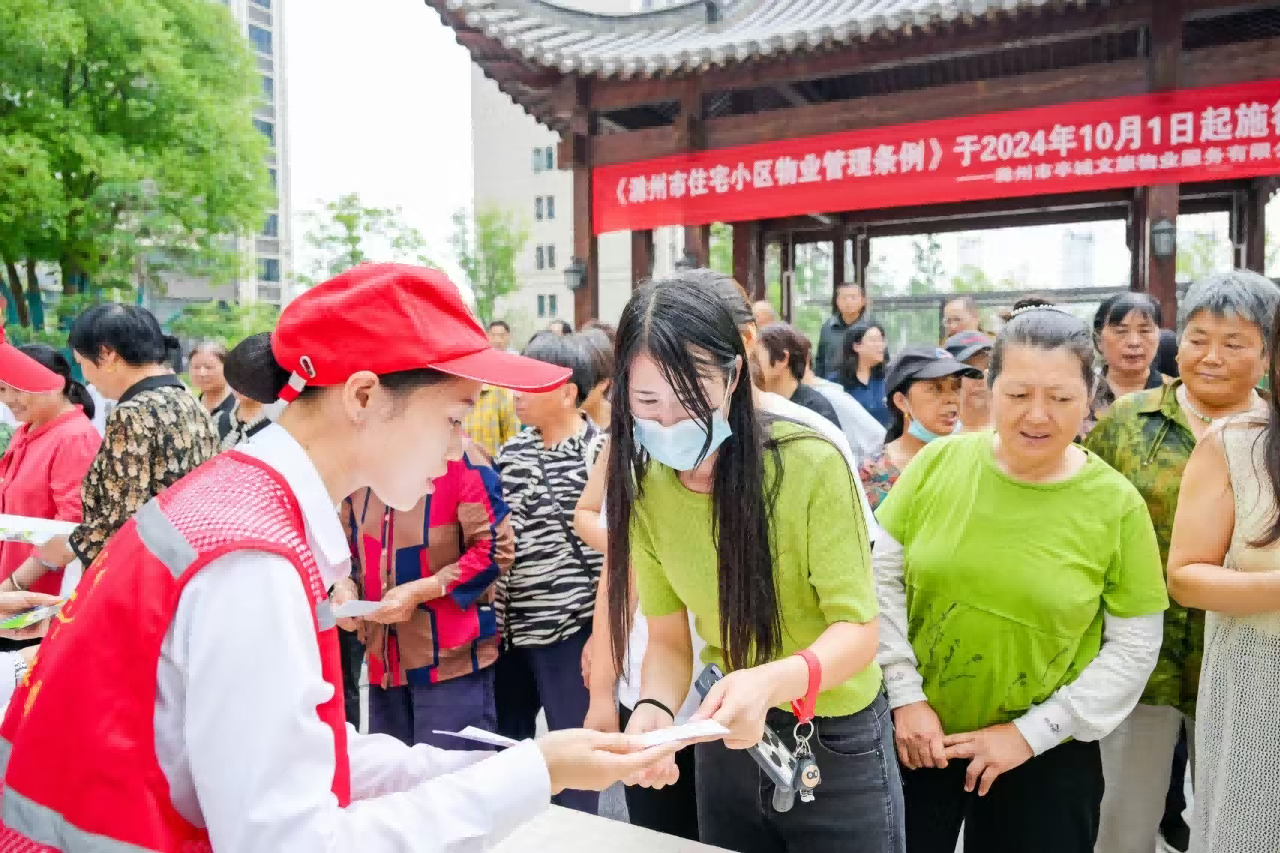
x=227, y=324
x=486, y=244
x=127, y=147
x=345, y=233
x=972, y=279
x=929, y=271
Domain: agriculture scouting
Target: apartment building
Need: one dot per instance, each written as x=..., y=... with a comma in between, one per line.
x=268, y=254
x=515, y=169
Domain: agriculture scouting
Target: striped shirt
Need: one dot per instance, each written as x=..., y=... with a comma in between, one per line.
x=550, y=593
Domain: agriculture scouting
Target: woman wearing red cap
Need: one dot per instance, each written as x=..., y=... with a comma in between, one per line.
x=41, y=472
x=189, y=696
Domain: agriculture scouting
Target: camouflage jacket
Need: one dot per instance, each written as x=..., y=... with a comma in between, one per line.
x=1146, y=437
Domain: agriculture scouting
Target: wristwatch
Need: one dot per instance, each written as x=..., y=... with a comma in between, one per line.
x=19, y=668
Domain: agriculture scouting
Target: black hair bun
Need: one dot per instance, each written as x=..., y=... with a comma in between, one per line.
x=251, y=369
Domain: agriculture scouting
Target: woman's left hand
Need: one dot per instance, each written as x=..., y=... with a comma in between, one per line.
x=991, y=751
x=13, y=603
x=739, y=702
x=399, y=602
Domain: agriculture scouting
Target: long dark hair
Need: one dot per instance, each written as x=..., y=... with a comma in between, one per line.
x=1271, y=435
x=849, y=356
x=74, y=391
x=691, y=333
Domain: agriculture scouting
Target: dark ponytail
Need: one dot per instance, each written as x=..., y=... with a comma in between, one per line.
x=73, y=390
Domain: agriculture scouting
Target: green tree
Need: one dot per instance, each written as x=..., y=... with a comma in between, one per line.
x=345, y=233
x=927, y=254
x=1197, y=254
x=721, y=259
x=227, y=324
x=972, y=279
x=127, y=146
x=486, y=244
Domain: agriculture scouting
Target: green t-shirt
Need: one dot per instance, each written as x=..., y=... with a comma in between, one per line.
x=820, y=556
x=1007, y=581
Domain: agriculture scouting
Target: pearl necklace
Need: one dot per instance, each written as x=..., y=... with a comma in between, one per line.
x=1185, y=400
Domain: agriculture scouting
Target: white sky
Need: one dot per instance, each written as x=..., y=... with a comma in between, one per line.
x=379, y=104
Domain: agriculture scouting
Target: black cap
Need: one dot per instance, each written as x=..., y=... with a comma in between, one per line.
x=965, y=345
x=915, y=363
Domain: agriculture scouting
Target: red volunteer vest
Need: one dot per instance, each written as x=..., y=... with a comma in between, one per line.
x=78, y=745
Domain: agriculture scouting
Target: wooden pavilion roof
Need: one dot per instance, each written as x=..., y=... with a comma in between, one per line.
x=699, y=34
x=750, y=57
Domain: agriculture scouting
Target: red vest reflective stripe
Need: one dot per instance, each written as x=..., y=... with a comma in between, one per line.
x=82, y=774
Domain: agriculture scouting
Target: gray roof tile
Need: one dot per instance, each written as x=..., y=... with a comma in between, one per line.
x=681, y=38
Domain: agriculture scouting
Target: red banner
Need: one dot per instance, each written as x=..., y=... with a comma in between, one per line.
x=1176, y=137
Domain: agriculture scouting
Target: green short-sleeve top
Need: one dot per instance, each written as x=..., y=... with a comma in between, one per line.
x=1007, y=581
x=821, y=557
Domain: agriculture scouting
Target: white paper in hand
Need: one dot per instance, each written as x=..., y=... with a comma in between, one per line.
x=356, y=609
x=689, y=731
x=480, y=735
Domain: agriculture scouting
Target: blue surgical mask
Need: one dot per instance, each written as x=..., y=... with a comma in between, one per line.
x=679, y=446
x=918, y=430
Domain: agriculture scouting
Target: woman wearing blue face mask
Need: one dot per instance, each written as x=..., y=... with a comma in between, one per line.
x=751, y=524
x=923, y=387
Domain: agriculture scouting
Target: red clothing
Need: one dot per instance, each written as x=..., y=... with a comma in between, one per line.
x=40, y=476
x=82, y=772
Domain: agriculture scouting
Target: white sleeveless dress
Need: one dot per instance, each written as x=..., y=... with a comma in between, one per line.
x=1237, y=771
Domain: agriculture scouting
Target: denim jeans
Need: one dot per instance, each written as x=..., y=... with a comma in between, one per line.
x=858, y=806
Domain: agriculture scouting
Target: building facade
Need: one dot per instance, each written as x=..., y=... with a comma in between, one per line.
x=268, y=254
x=516, y=169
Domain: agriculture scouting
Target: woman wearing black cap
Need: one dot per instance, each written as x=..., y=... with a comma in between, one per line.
x=924, y=404
x=152, y=720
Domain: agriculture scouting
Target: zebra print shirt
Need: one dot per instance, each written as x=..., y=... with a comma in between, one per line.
x=549, y=594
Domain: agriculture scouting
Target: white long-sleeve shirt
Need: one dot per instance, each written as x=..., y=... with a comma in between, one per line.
x=1089, y=708
x=241, y=744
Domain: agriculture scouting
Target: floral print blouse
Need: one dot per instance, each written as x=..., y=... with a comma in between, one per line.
x=155, y=435
x=878, y=474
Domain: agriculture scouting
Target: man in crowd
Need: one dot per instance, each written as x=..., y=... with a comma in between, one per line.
x=850, y=307
x=781, y=357
x=974, y=349
x=500, y=335
x=961, y=315
x=764, y=313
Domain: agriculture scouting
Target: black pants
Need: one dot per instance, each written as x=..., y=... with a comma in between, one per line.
x=673, y=809
x=1050, y=804
x=858, y=805
x=352, y=652
x=547, y=679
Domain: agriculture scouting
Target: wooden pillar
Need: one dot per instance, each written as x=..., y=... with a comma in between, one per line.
x=1251, y=209
x=1161, y=274
x=1138, y=237
x=838, y=275
x=641, y=257
x=583, y=126
x=697, y=243
x=788, y=275
x=748, y=269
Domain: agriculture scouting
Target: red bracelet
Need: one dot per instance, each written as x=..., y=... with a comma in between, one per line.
x=804, y=708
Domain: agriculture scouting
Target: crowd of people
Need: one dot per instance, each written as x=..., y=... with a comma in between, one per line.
x=952, y=566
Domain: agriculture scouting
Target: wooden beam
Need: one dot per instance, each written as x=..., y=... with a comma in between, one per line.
x=1253, y=211
x=943, y=43
x=697, y=243
x=1112, y=80
x=641, y=257
x=522, y=73
x=1256, y=60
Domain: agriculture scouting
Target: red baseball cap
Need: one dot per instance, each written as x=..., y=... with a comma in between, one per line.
x=21, y=371
x=390, y=317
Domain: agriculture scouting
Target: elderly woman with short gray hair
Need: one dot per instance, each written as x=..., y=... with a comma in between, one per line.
x=1226, y=322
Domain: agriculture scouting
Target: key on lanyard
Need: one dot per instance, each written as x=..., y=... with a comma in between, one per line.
x=808, y=776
